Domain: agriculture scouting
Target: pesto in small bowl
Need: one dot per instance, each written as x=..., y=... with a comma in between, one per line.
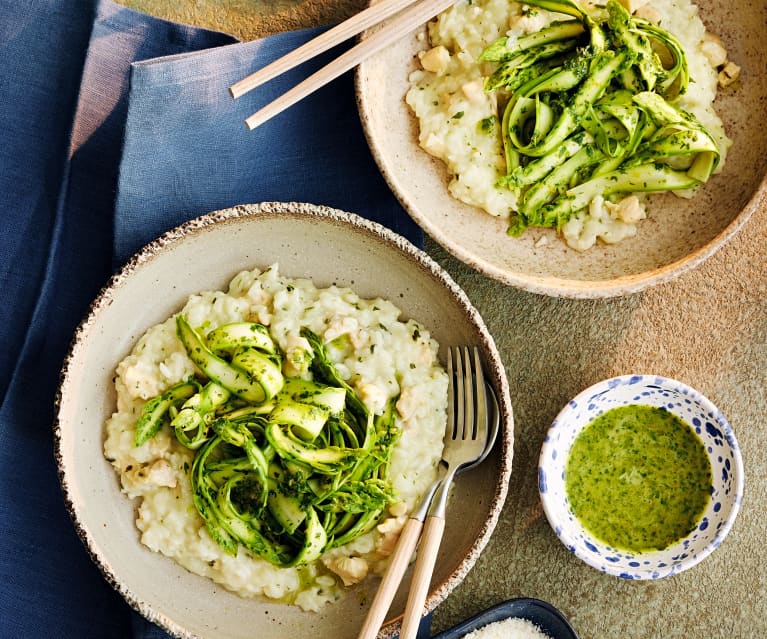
x=640, y=476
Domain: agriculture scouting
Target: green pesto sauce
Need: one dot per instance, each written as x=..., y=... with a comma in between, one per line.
x=638, y=478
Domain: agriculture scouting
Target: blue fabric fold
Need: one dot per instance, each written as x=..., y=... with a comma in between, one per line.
x=187, y=150
x=117, y=126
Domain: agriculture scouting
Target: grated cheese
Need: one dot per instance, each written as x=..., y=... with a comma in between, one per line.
x=511, y=628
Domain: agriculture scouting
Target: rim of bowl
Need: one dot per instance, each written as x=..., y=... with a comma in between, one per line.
x=396, y=242
x=640, y=572
x=586, y=289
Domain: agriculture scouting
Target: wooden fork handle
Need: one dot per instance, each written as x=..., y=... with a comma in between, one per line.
x=424, y=568
x=392, y=579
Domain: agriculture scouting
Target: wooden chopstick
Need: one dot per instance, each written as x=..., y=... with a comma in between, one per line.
x=399, y=26
x=348, y=28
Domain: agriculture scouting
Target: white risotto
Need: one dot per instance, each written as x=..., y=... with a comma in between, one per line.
x=379, y=355
x=460, y=121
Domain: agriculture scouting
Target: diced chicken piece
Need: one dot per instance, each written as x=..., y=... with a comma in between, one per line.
x=258, y=295
x=338, y=326
x=297, y=355
x=629, y=210
x=446, y=100
x=729, y=74
x=602, y=222
x=159, y=473
x=139, y=377
x=649, y=13
x=433, y=143
x=262, y=315
x=435, y=59
x=407, y=403
x=261, y=303
x=373, y=396
x=344, y=325
x=294, y=341
x=389, y=530
x=391, y=524
x=714, y=50
x=474, y=91
x=351, y=570
x=398, y=509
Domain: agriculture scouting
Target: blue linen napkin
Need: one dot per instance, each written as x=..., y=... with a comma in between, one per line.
x=116, y=126
x=187, y=150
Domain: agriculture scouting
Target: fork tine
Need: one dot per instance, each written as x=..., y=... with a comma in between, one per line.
x=468, y=399
x=466, y=393
x=480, y=394
x=451, y=391
x=460, y=394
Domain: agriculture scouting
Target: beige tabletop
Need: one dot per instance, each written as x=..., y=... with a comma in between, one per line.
x=707, y=328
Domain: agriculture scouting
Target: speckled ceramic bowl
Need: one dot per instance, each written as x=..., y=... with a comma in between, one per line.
x=679, y=234
x=695, y=410
x=328, y=246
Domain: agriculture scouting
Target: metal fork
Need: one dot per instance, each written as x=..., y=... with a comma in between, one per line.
x=466, y=444
x=472, y=425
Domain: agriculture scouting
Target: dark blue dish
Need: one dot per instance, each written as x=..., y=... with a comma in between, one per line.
x=541, y=613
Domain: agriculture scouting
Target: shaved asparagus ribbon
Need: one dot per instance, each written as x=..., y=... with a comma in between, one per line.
x=286, y=468
x=590, y=110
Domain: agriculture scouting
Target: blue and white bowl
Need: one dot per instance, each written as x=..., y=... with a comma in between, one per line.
x=718, y=439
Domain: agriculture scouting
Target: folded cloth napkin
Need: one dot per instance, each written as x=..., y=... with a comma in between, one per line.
x=117, y=126
x=187, y=150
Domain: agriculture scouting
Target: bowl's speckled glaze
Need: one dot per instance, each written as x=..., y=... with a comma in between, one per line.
x=691, y=407
x=330, y=247
x=679, y=233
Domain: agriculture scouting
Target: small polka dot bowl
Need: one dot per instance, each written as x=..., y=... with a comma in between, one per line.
x=720, y=501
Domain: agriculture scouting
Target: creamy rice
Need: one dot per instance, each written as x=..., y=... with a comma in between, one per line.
x=379, y=354
x=448, y=99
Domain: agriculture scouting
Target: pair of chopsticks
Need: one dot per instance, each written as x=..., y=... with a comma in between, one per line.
x=407, y=21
